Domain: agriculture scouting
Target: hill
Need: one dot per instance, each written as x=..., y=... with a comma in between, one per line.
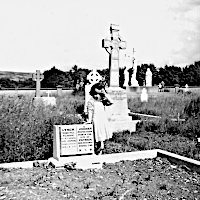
x=15, y=76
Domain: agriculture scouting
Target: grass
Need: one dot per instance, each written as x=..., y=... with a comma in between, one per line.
x=165, y=105
x=26, y=130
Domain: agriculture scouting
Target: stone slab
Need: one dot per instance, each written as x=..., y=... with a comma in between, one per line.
x=45, y=100
x=123, y=125
x=96, y=161
x=73, y=139
x=180, y=160
x=119, y=110
x=25, y=164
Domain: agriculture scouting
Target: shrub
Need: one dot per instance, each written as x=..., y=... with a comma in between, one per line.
x=27, y=130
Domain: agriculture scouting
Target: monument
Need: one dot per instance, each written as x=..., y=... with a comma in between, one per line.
x=38, y=77
x=148, y=78
x=134, y=82
x=118, y=113
x=112, y=46
x=69, y=140
x=93, y=77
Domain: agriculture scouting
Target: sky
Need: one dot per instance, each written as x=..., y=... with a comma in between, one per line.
x=40, y=34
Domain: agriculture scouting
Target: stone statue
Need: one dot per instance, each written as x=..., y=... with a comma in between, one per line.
x=148, y=78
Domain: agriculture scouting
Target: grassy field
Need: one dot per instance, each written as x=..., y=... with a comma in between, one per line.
x=26, y=130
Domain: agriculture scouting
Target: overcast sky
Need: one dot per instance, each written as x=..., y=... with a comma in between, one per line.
x=40, y=34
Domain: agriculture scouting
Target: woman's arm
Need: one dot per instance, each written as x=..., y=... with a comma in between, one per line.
x=90, y=110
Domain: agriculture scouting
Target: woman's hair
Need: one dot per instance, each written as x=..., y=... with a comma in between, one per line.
x=100, y=85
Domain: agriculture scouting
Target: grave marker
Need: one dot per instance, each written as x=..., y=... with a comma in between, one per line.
x=93, y=77
x=148, y=78
x=38, y=77
x=134, y=82
x=76, y=139
x=112, y=46
x=118, y=112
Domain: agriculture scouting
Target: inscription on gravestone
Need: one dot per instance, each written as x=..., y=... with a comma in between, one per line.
x=76, y=139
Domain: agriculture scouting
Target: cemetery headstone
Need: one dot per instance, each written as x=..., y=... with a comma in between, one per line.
x=92, y=78
x=59, y=90
x=71, y=140
x=38, y=77
x=134, y=82
x=118, y=113
x=186, y=88
x=126, y=77
x=112, y=46
x=148, y=78
x=144, y=95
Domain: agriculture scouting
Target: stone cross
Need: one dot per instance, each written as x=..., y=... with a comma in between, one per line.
x=112, y=46
x=94, y=77
x=38, y=77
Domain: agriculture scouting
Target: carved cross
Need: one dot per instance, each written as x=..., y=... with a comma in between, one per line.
x=112, y=46
x=38, y=77
x=94, y=77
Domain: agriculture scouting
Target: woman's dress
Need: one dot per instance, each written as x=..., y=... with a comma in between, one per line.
x=102, y=129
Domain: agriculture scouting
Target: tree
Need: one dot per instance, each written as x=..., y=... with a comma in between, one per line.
x=53, y=78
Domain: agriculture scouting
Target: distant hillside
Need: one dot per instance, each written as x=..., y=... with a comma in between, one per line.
x=15, y=76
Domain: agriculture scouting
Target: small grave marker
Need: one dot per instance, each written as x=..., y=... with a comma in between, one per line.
x=76, y=139
x=38, y=77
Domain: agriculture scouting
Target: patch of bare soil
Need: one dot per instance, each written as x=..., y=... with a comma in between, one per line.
x=141, y=179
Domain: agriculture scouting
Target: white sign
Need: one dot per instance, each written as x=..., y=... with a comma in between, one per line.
x=76, y=139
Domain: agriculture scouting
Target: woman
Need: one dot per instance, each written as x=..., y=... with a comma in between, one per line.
x=97, y=116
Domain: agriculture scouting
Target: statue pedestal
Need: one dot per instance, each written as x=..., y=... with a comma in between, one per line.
x=118, y=113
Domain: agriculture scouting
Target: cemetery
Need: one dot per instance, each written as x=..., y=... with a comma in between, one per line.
x=48, y=149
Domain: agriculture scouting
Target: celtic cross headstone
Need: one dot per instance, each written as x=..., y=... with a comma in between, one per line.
x=38, y=77
x=93, y=77
x=112, y=46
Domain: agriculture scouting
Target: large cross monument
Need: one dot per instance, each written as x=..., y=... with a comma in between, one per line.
x=118, y=113
x=112, y=46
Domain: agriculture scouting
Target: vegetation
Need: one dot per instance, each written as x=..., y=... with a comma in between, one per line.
x=27, y=130
x=171, y=75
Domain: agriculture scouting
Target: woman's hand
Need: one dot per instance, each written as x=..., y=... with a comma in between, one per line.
x=87, y=122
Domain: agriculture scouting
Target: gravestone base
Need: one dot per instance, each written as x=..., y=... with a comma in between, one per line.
x=118, y=113
x=133, y=89
x=123, y=125
x=45, y=100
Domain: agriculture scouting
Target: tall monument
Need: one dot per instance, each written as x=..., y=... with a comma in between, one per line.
x=148, y=78
x=118, y=112
x=134, y=82
x=112, y=46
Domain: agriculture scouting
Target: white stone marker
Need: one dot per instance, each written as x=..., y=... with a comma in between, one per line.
x=112, y=46
x=38, y=77
x=148, y=78
x=76, y=139
x=93, y=77
x=134, y=82
x=144, y=95
x=186, y=88
x=118, y=112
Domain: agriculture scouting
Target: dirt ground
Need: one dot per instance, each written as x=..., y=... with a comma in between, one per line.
x=142, y=179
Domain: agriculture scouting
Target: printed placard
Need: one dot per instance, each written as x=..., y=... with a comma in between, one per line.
x=76, y=139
